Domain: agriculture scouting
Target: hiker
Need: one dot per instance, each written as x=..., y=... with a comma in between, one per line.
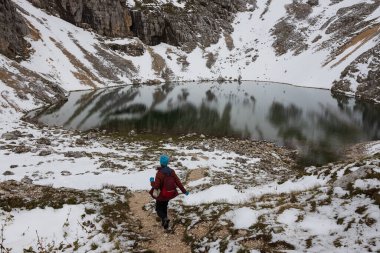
x=166, y=182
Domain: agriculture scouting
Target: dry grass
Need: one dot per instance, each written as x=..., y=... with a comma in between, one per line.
x=196, y=174
x=254, y=244
x=103, y=70
x=84, y=79
x=24, y=81
x=11, y=81
x=286, y=206
x=201, y=230
x=83, y=73
x=35, y=34
x=222, y=232
x=8, y=78
x=158, y=63
x=30, y=196
x=355, y=43
x=10, y=102
x=159, y=66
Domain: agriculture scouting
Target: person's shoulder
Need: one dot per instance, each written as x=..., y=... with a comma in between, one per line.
x=172, y=170
x=160, y=168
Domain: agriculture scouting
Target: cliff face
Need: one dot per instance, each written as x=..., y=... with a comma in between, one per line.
x=106, y=17
x=19, y=86
x=12, y=31
x=198, y=22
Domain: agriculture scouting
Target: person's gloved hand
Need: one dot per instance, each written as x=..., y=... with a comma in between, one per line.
x=187, y=193
x=151, y=179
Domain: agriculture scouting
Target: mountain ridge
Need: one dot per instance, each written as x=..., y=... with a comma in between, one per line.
x=332, y=44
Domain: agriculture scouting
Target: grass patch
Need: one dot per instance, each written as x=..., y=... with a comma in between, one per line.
x=284, y=207
x=83, y=73
x=349, y=225
x=361, y=209
x=309, y=242
x=26, y=196
x=158, y=63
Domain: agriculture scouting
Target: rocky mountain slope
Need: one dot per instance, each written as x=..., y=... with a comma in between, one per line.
x=13, y=29
x=88, y=44
x=65, y=190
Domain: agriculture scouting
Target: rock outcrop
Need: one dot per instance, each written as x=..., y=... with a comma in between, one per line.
x=106, y=17
x=198, y=22
x=132, y=49
x=348, y=21
x=354, y=20
x=368, y=86
x=12, y=31
x=286, y=33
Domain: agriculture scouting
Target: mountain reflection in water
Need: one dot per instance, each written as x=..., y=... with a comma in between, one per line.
x=311, y=120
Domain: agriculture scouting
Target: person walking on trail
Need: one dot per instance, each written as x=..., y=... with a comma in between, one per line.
x=164, y=188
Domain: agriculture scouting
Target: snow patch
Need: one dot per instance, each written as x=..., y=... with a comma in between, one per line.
x=242, y=218
x=52, y=225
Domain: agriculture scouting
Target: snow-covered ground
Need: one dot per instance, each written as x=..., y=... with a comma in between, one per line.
x=340, y=214
x=90, y=161
x=323, y=209
x=46, y=225
x=330, y=209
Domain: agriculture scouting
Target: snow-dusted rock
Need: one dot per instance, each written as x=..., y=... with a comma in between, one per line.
x=345, y=180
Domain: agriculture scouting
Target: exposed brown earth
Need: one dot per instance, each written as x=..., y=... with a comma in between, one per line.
x=83, y=74
x=159, y=241
x=196, y=174
x=152, y=229
x=357, y=42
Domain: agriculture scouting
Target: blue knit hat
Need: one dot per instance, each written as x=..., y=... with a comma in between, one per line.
x=164, y=160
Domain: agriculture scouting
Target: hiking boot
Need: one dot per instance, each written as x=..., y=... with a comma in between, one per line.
x=165, y=223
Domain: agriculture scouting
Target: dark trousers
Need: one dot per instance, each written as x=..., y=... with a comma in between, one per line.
x=162, y=209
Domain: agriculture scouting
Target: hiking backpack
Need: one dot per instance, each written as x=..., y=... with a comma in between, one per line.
x=169, y=187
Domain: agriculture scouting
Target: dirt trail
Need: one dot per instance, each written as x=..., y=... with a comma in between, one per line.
x=196, y=174
x=160, y=241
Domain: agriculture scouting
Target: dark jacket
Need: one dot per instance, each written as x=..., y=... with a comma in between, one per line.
x=159, y=180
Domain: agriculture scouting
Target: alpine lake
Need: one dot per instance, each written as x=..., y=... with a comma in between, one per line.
x=313, y=121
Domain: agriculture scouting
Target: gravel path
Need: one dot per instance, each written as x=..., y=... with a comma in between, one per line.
x=160, y=241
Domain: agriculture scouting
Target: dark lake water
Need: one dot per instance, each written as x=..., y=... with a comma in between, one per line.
x=311, y=120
